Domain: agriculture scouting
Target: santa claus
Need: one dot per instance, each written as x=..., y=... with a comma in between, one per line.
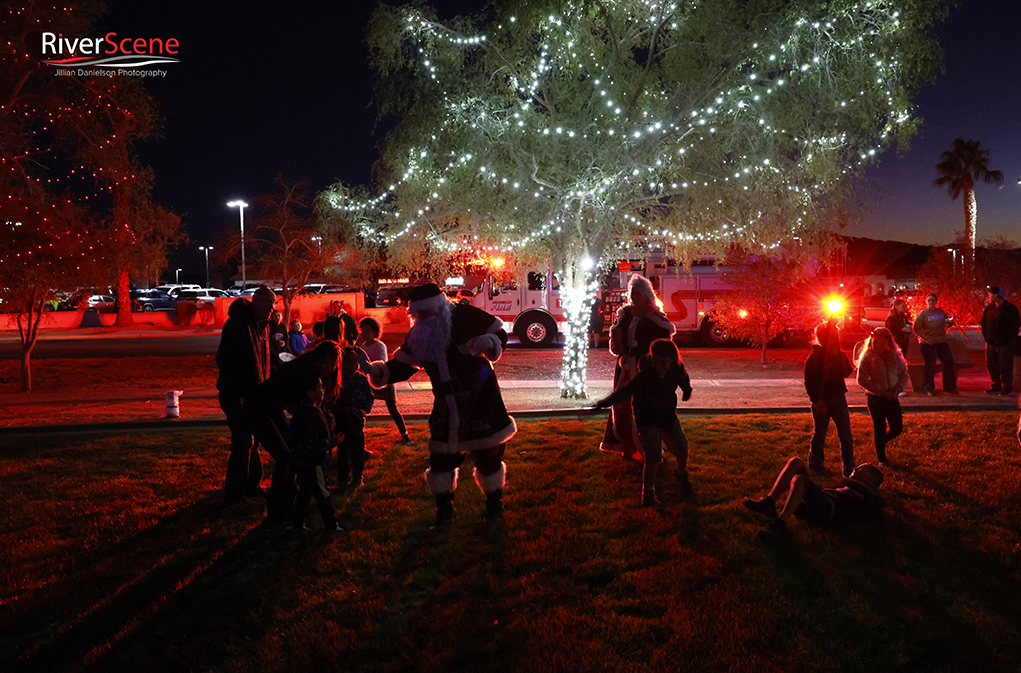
x=456, y=345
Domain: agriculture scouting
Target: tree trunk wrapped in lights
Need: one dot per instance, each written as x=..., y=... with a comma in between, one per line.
x=578, y=288
x=605, y=126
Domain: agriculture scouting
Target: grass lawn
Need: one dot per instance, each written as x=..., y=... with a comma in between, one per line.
x=114, y=559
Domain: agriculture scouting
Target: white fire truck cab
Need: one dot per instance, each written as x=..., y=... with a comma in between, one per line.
x=531, y=310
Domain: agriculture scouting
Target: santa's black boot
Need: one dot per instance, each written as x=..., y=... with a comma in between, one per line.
x=494, y=505
x=444, y=509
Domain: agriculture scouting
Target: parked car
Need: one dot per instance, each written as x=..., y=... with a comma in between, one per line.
x=151, y=300
x=325, y=288
x=392, y=296
x=174, y=290
x=203, y=297
x=456, y=294
x=102, y=303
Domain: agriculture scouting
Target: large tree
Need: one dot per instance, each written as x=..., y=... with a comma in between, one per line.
x=48, y=240
x=70, y=137
x=964, y=164
x=570, y=130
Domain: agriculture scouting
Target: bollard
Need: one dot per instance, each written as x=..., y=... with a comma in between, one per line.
x=173, y=411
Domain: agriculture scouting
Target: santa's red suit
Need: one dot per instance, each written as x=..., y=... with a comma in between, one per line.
x=456, y=345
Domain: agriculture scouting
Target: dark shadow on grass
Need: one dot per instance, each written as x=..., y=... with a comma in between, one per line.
x=900, y=580
x=430, y=575
x=955, y=582
x=943, y=493
x=119, y=601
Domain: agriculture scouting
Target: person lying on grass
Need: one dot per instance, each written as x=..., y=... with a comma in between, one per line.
x=653, y=396
x=857, y=499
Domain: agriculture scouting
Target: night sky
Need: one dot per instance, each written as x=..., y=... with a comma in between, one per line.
x=266, y=87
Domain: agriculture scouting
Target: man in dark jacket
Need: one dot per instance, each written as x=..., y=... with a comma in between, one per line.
x=243, y=359
x=1000, y=324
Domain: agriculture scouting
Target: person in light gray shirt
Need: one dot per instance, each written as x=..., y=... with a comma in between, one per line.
x=931, y=328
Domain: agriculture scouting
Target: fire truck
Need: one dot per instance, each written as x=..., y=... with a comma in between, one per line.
x=533, y=310
x=689, y=298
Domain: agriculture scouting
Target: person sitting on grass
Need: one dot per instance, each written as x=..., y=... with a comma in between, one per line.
x=310, y=437
x=857, y=499
x=354, y=402
x=653, y=396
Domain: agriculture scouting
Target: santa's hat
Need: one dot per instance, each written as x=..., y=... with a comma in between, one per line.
x=426, y=297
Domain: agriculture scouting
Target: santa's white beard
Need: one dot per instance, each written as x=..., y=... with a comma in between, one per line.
x=429, y=338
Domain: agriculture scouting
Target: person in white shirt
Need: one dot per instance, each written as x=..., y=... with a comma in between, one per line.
x=368, y=340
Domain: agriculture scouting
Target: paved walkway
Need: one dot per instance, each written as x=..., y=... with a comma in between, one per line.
x=527, y=399
x=136, y=407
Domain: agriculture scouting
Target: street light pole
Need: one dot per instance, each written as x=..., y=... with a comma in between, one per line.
x=177, y=277
x=207, y=248
x=241, y=205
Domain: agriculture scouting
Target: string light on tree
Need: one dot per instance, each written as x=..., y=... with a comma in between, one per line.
x=559, y=142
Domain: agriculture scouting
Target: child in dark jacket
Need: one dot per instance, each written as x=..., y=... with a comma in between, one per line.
x=354, y=403
x=825, y=371
x=310, y=438
x=653, y=396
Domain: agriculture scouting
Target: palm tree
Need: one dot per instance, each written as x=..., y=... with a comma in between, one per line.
x=959, y=169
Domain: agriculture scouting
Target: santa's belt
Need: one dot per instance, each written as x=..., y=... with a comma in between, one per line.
x=462, y=384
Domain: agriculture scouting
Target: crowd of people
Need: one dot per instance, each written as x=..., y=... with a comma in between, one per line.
x=299, y=408
x=649, y=372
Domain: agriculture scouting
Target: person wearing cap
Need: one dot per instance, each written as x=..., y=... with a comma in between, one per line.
x=456, y=345
x=856, y=499
x=1000, y=325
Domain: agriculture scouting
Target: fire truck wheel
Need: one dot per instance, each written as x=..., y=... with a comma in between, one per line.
x=535, y=330
x=713, y=335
